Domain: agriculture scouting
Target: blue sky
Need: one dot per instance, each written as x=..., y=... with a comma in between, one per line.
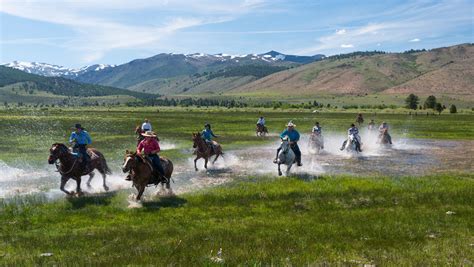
x=74, y=33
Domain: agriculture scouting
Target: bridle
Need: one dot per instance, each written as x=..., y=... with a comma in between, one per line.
x=62, y=150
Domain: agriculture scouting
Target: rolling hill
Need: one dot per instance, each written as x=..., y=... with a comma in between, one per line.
x=170, y=74
x=19, y=86
x=448, y=70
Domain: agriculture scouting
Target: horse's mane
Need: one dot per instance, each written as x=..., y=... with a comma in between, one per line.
x=61, y=145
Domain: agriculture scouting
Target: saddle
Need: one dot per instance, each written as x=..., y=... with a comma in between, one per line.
x=156, y=177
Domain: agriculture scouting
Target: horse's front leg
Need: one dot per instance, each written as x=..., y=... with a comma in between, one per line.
x=141, y=189
x=104, y=178
x=78, y=186
x=288, y=169
x=63, y=184
x=205, y=162
x=91, y=175
x=279, y=170
x=195, y=161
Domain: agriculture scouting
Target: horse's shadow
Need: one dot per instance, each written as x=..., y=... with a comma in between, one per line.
x=100, y=199
x=164, y=202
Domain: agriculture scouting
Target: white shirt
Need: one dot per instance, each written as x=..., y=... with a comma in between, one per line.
x=146, y=126
x=261, y=121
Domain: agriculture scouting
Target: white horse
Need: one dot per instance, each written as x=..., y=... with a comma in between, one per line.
x=351, y=144
x=316, y=143
x=285, y=156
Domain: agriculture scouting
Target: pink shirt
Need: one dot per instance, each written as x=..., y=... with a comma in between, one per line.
x=148, y=146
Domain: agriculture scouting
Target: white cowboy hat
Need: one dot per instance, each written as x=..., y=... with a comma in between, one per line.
x=291, y=124
x=149, y=134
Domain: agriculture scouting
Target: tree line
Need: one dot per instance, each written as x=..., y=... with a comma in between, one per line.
x=413, y=101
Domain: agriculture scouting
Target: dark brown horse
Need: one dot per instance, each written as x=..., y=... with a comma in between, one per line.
x=261, y=130
x=142, y=173
x=205, y=151
x=70, y=166
x=138, y=132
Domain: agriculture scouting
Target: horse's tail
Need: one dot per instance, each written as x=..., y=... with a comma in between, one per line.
x=106, y=167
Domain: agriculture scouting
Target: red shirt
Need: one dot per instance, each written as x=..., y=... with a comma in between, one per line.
x=148, y=146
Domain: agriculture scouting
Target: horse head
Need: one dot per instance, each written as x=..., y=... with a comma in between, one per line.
x=285, y=144
x=129, y=161
x=57, y=151
x=196, y=139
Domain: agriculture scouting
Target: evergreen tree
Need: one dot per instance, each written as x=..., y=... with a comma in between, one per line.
x=439, y=108
x=453, y=109
x=430, y=102
x=412, y=101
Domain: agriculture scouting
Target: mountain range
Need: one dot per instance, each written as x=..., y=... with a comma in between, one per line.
x=176, y=73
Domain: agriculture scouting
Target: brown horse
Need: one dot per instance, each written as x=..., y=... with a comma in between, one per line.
x=138, y=132
x=70, y=166
x=204, y=151
x=142, y=173
x=261, y=130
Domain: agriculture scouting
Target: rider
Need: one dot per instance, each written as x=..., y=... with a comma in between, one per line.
x=146, y=126
x=355, y=131
x=80, y=138
x=360, y=119
x=151, y=148
x=207, y=135
x=384, y=129
x=317, y=131
x=371, y=125
x=261, y=121
x=294, y=137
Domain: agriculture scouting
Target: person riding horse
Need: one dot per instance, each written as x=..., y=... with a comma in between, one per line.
x=150, y=147
x=80, y=138
x=383, y=130
x=360, y=119
x=207, y=135
x=371, y=126
x=317, y=132
x=353, y=131
x=261, y=122
x=146, y=126
x=294, y=136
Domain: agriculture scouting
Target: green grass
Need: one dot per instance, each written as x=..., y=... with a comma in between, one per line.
x=27, y=134
x=261, y=221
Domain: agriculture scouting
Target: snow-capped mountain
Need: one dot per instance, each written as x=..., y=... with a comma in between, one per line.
x=50, y=70
x=268, y=57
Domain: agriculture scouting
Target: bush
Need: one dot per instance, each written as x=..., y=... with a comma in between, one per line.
x=453, y=109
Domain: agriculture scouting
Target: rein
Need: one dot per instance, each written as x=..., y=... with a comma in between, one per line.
x=59, y=169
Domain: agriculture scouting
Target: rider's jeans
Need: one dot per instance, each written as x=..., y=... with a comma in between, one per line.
x=155, y=159
x=297, y=151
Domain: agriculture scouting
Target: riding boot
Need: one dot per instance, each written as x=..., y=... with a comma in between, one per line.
x=276, y=158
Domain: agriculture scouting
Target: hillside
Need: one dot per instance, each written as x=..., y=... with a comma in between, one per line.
x=19, y=86
x=447, y=71
x=193, y=73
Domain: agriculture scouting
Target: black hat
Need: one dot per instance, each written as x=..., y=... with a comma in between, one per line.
x=207, y=125
x=352, y=124
x=78, y=126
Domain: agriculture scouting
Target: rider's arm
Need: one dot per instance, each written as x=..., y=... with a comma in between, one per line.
x=72, y=138
x=212, y=133
x=88, y=138
x=284, y=133
x=297, y=137
x=139, y=148
x=156, y=148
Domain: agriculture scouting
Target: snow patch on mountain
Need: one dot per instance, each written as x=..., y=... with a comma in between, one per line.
x=51, y=70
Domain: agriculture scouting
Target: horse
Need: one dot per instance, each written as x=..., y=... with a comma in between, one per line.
x=316, y=143
x=142, y=173
x=285, y=156
x=351, y=144
x=261, y=130
x=138, y=132
x=70, y=166
x=383, y=138
x=205, y=151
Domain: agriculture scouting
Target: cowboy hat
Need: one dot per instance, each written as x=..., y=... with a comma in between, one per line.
x=78, y=126
x=149, y=134
x=291, y=124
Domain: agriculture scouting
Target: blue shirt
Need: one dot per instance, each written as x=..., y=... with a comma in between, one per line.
x=317, y=129
x=294, y=136
x=82, y=138
x=353, y=130
x=207, y=134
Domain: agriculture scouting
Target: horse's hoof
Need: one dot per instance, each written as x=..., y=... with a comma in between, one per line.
x=80, y=194
x=280, y=174
x=106, y=188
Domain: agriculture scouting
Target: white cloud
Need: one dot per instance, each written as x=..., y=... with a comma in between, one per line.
x=417, y=18
x=347, y=46
x=97, y=33
x=341, y=31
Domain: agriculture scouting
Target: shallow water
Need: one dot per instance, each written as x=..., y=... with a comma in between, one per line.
x=414, y=157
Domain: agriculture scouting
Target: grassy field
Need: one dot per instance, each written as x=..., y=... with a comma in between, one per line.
x=255, y=220
x=355, y=221
x=29, y=133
